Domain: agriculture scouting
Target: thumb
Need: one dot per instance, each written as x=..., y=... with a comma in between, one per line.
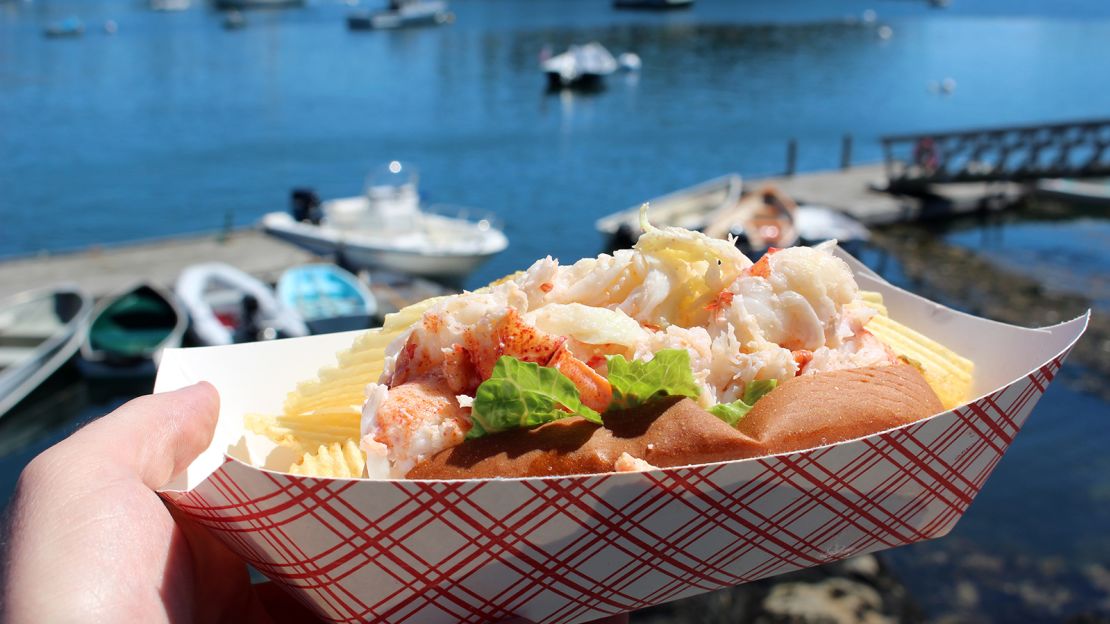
x=153, y=437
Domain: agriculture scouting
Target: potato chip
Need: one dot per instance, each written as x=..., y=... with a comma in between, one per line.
x=304, y=432
x=342, y=385
x=873, y=300
x=948, y=373
x=337, y=459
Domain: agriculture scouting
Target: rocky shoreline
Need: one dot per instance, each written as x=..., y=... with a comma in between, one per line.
x=859, y=590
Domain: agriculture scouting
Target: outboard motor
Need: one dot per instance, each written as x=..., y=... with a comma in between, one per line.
x=305, y=205
x=249, y=328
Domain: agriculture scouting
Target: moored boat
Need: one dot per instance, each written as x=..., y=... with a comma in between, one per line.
x=718, y=207
x=69, y=27
x=226, y=306
x=169, y=5
x=129, y=331
x=328, y=298
x=580, y=67
x=227, y=5
x=40, y=330
x=1096, y=191
x=759, y=221
x=402, y=14
x=654, y=5
x=387, y=228
x=690, y=208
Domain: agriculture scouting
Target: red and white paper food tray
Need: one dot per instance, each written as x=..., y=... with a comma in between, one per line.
x=572, y=549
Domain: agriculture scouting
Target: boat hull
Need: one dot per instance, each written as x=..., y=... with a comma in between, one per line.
x=214, y=295
x=119, y=344
x=429, y=14
x=556, y=82
x=448, y=267
x=328, y=298
x=19, y=378
x=1079, y=191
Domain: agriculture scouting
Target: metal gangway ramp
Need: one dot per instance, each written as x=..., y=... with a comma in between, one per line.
x=1076, y=149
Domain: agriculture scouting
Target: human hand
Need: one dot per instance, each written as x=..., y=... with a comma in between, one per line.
x=90, y=540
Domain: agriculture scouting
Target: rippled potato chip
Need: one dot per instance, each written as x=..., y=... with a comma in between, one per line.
x=343, y=460
x=342, y=386
x=948, y=373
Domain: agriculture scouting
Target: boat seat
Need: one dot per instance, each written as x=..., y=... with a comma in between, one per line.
x=14, y=355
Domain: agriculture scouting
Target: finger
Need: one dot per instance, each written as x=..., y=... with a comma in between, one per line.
x=153, y=437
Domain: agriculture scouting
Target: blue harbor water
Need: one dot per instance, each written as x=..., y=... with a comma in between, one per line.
x=175, y=125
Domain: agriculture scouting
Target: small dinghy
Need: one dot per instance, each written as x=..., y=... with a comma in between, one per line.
x=227, y=306
x=129, y=331
x=39, y=331
x=328, y=298
x=759, y=221
x=766, y=218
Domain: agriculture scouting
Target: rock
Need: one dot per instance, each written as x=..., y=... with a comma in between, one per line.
x=1042, y=597
x=980, y=562
x=1098, y=576
x=864, y=566
x=967, y=596
x=832, y=601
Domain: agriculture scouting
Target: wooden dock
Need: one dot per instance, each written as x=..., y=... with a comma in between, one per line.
x=104, y=270
x=856, y=192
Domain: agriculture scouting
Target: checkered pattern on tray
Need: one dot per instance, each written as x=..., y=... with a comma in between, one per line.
x=574, y=549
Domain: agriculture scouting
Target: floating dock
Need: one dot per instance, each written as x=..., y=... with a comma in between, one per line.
x=857, y=191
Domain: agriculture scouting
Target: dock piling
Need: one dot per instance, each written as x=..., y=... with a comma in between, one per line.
x=846, y=152
x=791, y=157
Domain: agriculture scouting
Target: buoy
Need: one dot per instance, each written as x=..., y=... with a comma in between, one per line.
x=869, y=16
x=630, y=61
x=948, y=85
x=885, y=32
x=111, y=27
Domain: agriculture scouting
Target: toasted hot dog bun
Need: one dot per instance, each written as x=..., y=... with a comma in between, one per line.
x=803, y=412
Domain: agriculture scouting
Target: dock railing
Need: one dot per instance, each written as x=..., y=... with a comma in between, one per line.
x=1075, y=149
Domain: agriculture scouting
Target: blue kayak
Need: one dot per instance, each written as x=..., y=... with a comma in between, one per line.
x=328, y=298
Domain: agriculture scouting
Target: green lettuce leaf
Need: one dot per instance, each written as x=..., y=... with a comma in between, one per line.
x=523, y=394
x=635, y=383
x=733, y=412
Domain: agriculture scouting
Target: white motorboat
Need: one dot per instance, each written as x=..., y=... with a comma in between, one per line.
x=581, y=66
x=402, y=14
x=169, y=5
x=40, y=330
x=388, y=229
x=228, y=306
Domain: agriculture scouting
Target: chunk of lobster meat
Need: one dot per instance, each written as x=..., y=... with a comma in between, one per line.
x=510, y=336
x=593, y=389
x=412, y=421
